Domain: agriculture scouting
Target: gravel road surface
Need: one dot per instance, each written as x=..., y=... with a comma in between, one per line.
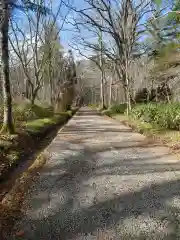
x=103, y=182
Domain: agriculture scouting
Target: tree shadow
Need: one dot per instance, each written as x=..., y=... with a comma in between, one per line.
x=103, y=191
x=67, y=220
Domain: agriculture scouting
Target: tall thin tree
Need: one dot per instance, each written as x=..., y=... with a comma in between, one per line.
x=5, y=81
x=6, y=8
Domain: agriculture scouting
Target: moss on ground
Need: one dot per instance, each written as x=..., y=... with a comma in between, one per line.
x=32, y=123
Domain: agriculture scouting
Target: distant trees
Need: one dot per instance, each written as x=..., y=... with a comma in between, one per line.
x=163, y=49
x=143, y=51
x=34, y=65
x=121, y=24
x=6, y=8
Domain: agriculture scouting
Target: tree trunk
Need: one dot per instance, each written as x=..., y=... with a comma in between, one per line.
x=127, y=90
x=102, y=72
x=127, y=94
x=28, y=88
x=102, y=90
x=116, y=94
x=8, y=125
x=167, y=93
x=32, y=100
x=156, y=95
x=128, y=99
x=110, y=91
x=34, y=96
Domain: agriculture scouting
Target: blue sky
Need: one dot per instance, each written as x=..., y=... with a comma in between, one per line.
x=66, y=35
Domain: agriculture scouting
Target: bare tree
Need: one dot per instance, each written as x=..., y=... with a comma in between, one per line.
x=121, y=24
x=8, y=125
x=29, y=46
x=6, y=8
x=26, y=46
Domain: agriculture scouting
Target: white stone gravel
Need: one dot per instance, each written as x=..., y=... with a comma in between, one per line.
x=103, y=183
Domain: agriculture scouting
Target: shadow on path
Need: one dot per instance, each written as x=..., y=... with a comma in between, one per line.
x=77, y=198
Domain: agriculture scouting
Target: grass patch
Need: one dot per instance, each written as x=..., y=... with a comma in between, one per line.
x=165, y=115
x=93, y=105
x=165, y=136
x=39, y=125
x=160, y=121
x=33, y=123
x=115, y=109
x=36, y=126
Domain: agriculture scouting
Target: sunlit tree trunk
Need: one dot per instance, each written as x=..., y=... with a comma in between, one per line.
x=8, y=125
x=126, y=83
x=110, y=90
x=102, y=83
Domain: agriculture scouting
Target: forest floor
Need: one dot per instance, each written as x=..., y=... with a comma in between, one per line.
x=102, y=180
x=32, y=125
x=154, y=133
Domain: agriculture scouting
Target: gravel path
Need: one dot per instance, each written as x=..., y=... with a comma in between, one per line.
x=102, y=182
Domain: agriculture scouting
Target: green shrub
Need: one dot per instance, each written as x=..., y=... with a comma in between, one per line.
x=39, y=125
x=107, y=112
x=25, y=114
x=42, y=112
x=27, y=111
x=164, y=115
x=68, y=113
x=120, y=108
x=93, y=105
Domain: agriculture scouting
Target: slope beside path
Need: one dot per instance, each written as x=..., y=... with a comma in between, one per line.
x=103, y=182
